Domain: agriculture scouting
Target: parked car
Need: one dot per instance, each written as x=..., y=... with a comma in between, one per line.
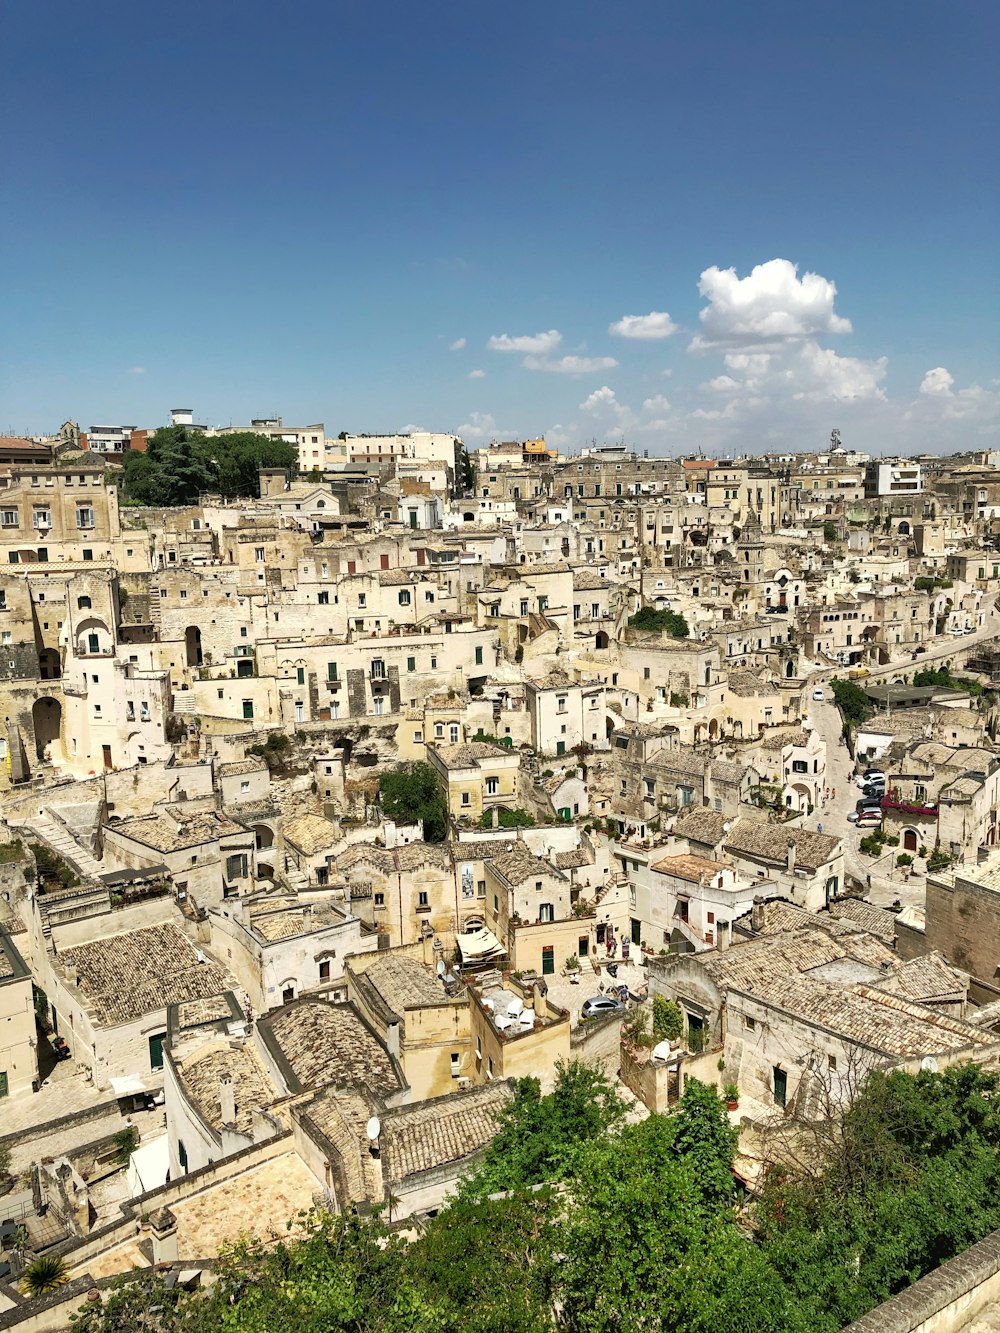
x=919, y=649
x=61, y=1048
x=869, y=803
x=870, y=818
x=818, y=695
x=969, y=629
x=858, y=673
x=600, y=1004
x=853, y=816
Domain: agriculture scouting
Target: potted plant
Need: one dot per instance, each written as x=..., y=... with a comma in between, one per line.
x=731, y=1093
x=573, y=968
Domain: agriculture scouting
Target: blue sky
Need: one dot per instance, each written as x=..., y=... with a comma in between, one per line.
x=300, y=209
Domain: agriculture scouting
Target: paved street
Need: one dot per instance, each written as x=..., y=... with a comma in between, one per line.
x=885, y=884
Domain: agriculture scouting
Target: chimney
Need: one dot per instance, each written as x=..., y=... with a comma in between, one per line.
x=790, y=856
x=227, y=1100
x=757, y=915
x=724, y=935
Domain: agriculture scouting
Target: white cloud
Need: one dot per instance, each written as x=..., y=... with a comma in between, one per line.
x=480, y=426
x=937, y=383
x=602, y=397
x=570, y=365
x=477, y=375
x=411, y=429
x=723, y=384
x=657, y=324
x=771, y=305
x=457, y=345
x=823, y=374
x=539, y=343
x=756, y=363
x=136, y=370
x=656, y=404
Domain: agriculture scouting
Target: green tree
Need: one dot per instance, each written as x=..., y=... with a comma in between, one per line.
x=538, y=1136
x=180, y=464
x=414, y=793
x=852, y=701
x=668, y=1019
x=829, y=531
x=660, y=622
x=140, y=1302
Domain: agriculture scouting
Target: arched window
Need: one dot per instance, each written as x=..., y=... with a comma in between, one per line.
x=83, y=603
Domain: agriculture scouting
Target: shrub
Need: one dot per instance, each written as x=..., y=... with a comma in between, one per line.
x=45, y=1274
x=662, y=622
x=668, y=1019
x=904, y=859
x=938, y=859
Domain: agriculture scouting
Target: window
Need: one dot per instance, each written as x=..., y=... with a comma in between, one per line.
x=248, y=710
x=380, y=900
x=379, y=702
x=156, y=1050
x=548, y=960
x=236, y=866
x=300, y=675
x=378, y=668
x=749, y=1023
x=84, y=516
x=93, y=643
x=434, y=663
x=324, y=970
x=479, y=657
x=411, y=664
x=129, y=711
x=362, y=601
x=323, y=598
x=456, y=1064
x=404, y=598
x=492, y=786
x=831, y=1061
x=439, y=730
x=480, y=888
x=466, y=798
x=331, y=670
x=8, y=518
x=258, y=554
x=42, y=518
x=546, y=912
x=422, y=899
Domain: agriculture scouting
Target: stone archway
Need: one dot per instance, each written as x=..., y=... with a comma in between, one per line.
x=601, y=640
x=46, y=719
x=910, y=841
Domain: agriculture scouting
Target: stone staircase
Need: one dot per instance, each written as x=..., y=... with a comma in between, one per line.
x=54, y=833
x=183, y=704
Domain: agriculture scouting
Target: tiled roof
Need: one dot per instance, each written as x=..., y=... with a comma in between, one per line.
x=138, y=972
x=521, y=864
x=311, y=834
x=874, y=919
x=469, y=754
x=440, y=1132
x=770, y=842
x=252, y=1087
x=405, y=983
x=704, y=826
x=329, y=1044
x=166, y=834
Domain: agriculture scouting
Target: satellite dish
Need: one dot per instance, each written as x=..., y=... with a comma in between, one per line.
x=374, y=1128
x=440, y=967
x=929, y=1063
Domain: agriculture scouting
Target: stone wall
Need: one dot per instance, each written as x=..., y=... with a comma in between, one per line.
x=945, y=1301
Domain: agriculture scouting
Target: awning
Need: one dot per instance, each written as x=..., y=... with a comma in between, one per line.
x=479, y=946
x=129, y=1086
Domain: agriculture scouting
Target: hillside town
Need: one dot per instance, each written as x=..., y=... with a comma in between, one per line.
x=335, y=803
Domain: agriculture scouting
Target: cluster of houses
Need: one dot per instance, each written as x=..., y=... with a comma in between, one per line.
x=604, y=666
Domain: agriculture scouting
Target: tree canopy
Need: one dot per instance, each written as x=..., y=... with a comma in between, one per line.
x=413, y=793
x=669, y=622
x=181, y=464
x=578, y=1220
x=852, y=701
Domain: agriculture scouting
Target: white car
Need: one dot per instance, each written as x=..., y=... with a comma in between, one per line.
x=954, y=629
x=818, y=696
x=969, y=629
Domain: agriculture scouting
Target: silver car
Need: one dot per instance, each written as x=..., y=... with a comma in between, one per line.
x=600, y=1004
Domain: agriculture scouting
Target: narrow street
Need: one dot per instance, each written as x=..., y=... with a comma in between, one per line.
x=884, y=884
